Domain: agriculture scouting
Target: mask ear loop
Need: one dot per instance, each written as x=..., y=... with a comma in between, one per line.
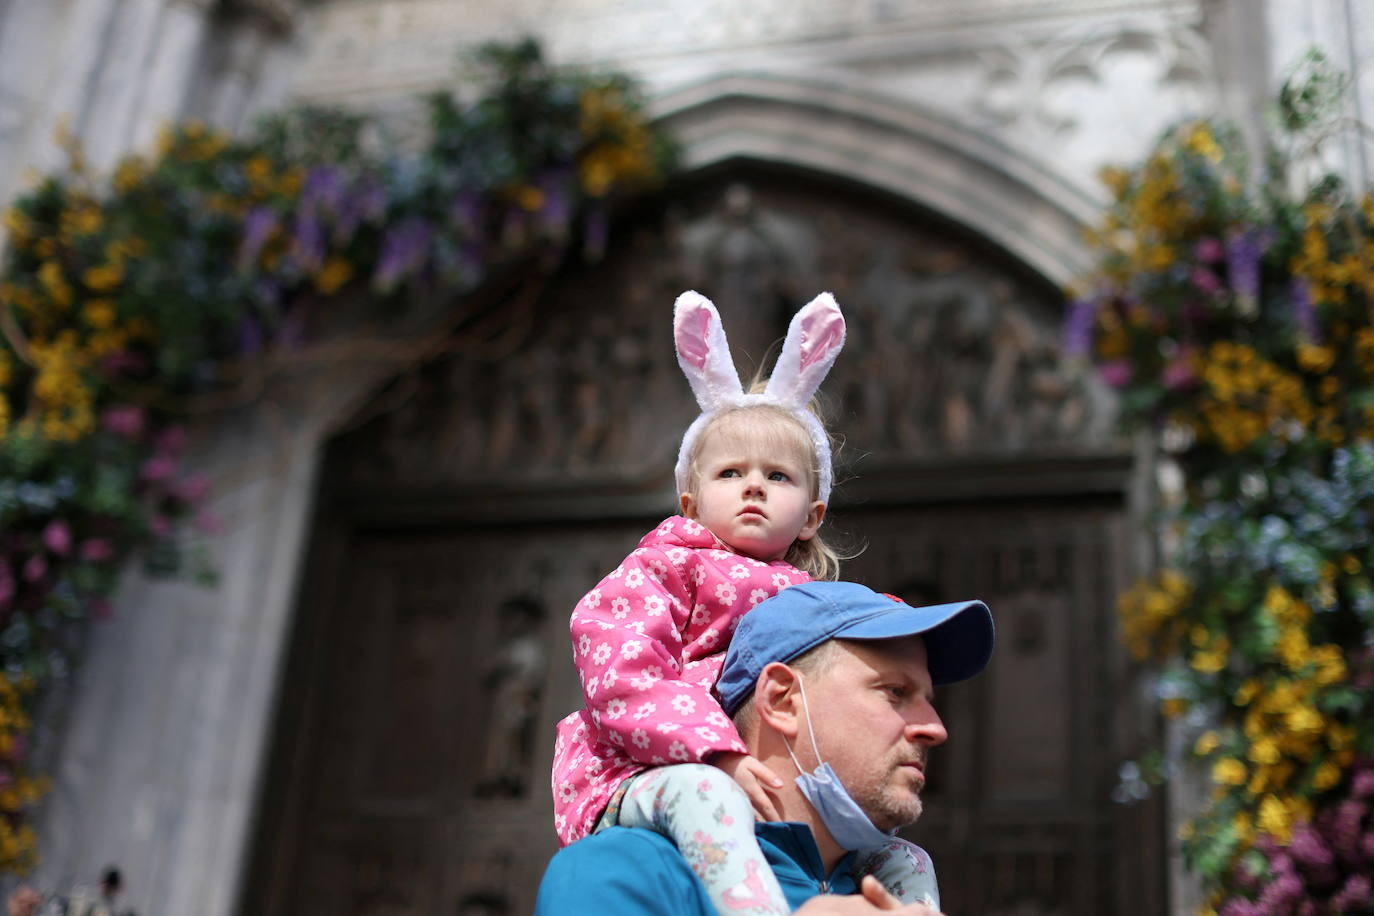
x=810, y=731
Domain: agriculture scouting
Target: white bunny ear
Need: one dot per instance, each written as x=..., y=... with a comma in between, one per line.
x=702, y=351
x=814, y=339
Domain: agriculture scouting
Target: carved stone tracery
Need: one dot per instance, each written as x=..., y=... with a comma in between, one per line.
x=950, y=352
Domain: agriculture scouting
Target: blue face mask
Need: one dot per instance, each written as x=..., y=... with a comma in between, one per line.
x=842, y=816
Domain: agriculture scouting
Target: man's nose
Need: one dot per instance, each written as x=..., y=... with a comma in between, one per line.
x=927, y=729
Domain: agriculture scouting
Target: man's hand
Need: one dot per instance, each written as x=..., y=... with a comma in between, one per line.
x=872, y=898
x=754, y=778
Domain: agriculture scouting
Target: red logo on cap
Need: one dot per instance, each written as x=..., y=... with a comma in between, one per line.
x=893, y=597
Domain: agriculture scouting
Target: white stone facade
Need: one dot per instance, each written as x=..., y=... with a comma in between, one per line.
x=996, y=113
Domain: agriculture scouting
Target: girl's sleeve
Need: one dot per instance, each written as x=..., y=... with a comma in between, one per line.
x=627, y=646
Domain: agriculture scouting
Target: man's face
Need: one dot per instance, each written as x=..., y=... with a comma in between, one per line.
x=875, y=723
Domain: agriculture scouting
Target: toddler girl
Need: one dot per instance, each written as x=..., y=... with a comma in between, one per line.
x=652, y=748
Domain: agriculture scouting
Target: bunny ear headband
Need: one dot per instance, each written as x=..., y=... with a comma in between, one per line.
x=814, y=339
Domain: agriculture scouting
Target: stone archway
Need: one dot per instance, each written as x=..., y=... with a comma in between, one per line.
x=515, y=482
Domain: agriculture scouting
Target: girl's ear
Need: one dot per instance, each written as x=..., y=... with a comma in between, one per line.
x=814, y=517
x=688, y=504
x=814, y=338
x=777, y=699
x=702, y=351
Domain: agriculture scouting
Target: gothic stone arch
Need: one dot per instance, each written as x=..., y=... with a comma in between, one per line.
x=475, y=502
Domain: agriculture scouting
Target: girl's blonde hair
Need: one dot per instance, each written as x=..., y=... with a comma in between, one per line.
x=782, y=430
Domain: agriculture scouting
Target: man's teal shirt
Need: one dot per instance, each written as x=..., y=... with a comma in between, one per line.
x=636, y=872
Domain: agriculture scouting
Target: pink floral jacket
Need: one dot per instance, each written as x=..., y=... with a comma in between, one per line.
x=648, y=643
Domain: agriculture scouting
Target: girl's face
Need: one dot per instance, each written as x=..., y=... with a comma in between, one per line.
x=753, y=490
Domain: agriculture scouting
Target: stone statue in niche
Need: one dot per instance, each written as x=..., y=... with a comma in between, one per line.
x=513, y=685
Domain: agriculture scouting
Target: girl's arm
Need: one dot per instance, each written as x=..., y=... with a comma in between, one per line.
x=627, y=645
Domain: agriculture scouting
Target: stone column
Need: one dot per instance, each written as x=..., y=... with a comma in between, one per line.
x=162, y=749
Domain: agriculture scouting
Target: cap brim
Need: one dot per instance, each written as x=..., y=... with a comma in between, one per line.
x=958, y=636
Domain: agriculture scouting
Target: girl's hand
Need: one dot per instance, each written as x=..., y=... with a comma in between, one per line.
x=754, y=778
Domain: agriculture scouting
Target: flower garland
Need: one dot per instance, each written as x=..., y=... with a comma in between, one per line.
x=1236, y=319
x=126, y=302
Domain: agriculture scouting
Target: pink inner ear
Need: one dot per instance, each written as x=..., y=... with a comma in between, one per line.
x=692, y=331
x=820, y=334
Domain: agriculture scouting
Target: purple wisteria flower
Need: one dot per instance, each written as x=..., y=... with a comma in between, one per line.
x=595, y=231
x=466, y=213
x=557, y=188
x=1077, y=330
x=258, y=226
x=323, y=190
x=1244, y=250
x=307, y=241
x=1304, y=312
x=404, y=250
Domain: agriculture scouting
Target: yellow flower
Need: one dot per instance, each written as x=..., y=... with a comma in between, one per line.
x=1206, y=743
x=1173, y=707
x=51, y=277
x=1228, y=771
x=1304, y=719
x=1328, y=776
x=1201, y=141
x=1247, y=692
x=334, y=274
x=1210, y=662
x=1264, y=751
x=104, y=278
x=1330, y=665
x=1243, y=826
x=98, y=313
x=529, y=197
x=258, y=169
x=1116, y=180
x=1274, y=819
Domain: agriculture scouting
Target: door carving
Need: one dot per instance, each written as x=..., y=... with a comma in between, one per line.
x=459, y=525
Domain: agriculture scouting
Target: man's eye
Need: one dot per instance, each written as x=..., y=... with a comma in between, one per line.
x=896, y=692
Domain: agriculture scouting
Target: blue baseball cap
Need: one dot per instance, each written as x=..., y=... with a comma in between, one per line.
x=958, y=636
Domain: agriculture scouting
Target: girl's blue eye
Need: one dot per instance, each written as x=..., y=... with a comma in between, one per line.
x=778, y=476
x=729, y=472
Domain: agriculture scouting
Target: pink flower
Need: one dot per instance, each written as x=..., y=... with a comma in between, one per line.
x=157, y=468
x=6, y=584
x=57, y=537
x=171, y=441
x=207, y=522
x=1179, y=374
x=160, y=525
x=194, y=488
x=1206, y=281
x=97, y=550
x=35, y=568
x=1116, y=373
x=125, y=420
x=1210, y=250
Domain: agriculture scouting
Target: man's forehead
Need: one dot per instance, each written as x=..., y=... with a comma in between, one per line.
x=901, y=651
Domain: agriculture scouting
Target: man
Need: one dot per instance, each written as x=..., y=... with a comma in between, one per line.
x=822, y=673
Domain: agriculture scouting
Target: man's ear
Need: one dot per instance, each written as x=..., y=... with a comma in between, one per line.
x=777, y=699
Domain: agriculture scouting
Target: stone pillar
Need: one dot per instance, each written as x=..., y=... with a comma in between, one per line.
x=164, y=741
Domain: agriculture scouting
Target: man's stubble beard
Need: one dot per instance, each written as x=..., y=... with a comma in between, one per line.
x=886, y=801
